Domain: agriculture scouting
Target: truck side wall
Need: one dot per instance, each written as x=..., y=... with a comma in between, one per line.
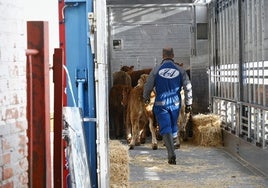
x=239, y=76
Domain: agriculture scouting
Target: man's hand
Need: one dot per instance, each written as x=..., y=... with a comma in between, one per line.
x=188, y=108
x=146, y=101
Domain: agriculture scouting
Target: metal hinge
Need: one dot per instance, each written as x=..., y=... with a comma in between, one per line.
x=92, y=29
x=193, y=52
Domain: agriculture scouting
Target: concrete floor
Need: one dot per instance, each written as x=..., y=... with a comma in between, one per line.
x=196, y=167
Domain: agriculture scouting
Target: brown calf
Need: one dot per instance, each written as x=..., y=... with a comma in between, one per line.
x=138, y=115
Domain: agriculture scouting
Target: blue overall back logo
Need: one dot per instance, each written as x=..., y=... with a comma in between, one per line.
x=169, y=73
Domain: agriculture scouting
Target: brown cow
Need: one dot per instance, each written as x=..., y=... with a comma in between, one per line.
x=117, y=111
x=185, y=119
x=138, y=115
x=127, y=68
x=183, y=122
x=121, y=78
x=135, y=74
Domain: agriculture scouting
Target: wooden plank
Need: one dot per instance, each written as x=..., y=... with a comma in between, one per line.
x=58, y=163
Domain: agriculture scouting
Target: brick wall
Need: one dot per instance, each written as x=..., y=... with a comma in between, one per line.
x=13, y=122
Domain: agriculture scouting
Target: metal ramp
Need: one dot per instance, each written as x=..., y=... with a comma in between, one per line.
x=196, y=167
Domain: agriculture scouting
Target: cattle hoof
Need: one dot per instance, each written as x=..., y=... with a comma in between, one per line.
x=131, y=147
x=128, y=140
x=154, y=147
x=137, y=144
x=177, y=146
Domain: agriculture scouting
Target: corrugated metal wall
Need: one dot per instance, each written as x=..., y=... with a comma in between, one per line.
x=138, y=33
x=239, y=67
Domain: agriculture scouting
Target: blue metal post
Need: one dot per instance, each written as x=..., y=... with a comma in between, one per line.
x=79, y=57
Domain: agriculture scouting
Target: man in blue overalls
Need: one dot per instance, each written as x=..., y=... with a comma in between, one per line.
x=168, y=79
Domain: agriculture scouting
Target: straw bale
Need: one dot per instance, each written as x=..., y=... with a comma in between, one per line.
x=207, y=130
x=119, y=164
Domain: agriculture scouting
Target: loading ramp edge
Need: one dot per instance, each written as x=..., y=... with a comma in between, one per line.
x=246, y=153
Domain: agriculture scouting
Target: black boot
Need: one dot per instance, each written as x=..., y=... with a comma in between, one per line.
x=168, y=140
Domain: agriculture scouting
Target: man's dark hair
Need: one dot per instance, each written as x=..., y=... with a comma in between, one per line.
x=168, y=53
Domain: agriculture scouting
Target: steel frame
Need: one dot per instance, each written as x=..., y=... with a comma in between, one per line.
x=38, y=105
x=239, y=76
